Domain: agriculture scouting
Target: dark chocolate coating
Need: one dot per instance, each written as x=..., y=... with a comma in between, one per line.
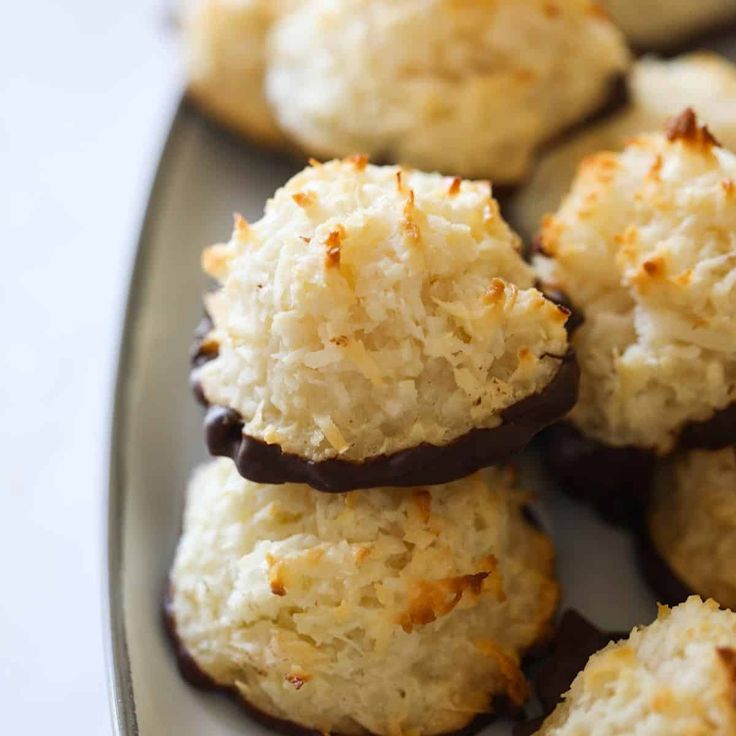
x=615, y=480
x=713, y=434
x=574, y=643
x=191, y=672
x=529, y=727
x=200, y=353
x=660, y=577
x=188, y=668
x=576, y=640
x=692, y=41
x=424, y=464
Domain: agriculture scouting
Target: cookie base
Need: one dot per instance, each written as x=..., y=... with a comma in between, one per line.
x=190, y=671
x=660, y=577
x=616, y=481
x=575, y=641
x=715, y=433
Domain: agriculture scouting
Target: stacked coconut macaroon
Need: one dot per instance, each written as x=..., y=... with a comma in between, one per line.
x=374, y=341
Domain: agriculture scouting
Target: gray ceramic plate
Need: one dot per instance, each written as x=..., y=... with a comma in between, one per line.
x=203, y=178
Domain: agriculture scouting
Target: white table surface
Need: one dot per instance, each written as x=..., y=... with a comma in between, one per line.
x=87, y=89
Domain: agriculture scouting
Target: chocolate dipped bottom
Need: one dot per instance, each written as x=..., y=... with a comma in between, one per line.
x=702, y=38
x=424, y=464
x=500, y=707
x=712, y=434
x=614, y=480
x=576, y=640
x=617, y=481
x=660, y=577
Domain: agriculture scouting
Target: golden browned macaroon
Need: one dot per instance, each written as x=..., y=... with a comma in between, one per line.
x=692, y=522
x=480, y=86
x=657, y=90
x=668, y=24
x=378, y=326
x=644, y=247
x=225, y=45
x=386, y=611
x=675, y=677
x=463, y=87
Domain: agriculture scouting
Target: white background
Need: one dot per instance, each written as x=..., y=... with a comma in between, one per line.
x=87, y=89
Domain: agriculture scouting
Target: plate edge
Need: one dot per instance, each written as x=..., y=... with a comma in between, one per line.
x=117, y=660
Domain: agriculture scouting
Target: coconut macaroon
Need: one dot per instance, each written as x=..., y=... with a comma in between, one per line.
x=692, y=522
x=463, y=87
x=657, y=90
x=645, y=247
x=675, y=677
x=666, y=24
x=384, y=611
x=376, y=310
x=225, y=51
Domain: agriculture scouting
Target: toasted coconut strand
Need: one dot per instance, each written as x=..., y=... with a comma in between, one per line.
x=685, y=128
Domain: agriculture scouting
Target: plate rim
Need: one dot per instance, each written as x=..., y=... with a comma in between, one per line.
x=121, y=695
